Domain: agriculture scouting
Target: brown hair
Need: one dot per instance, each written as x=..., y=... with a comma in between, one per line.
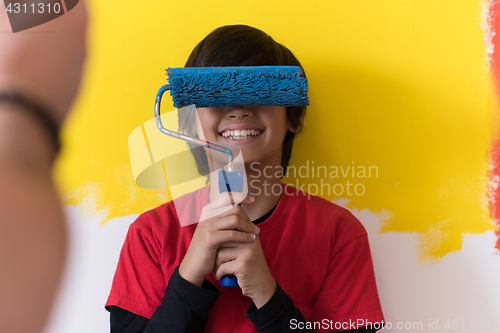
x=242, y=45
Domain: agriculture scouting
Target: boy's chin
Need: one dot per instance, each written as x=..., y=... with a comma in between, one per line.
x=260, y=164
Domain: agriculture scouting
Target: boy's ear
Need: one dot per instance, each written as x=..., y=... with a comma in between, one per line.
x=293, y=129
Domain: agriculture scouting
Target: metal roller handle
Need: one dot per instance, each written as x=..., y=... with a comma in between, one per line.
x=181, y=136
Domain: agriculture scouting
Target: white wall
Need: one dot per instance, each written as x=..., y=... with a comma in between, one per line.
x=463, y=288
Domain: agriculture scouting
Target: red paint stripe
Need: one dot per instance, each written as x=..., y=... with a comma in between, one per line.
x=495, y=63
x=495, y=194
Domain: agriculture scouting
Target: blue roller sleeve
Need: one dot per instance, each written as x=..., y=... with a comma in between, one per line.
x=236, y=86
x=230, y=182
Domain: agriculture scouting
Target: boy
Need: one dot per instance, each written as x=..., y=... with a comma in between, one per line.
x=302, y=263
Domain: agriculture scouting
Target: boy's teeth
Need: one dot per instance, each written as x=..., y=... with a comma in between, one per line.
x=240, y=134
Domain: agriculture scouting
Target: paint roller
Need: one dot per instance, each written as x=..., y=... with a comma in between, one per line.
x=231, y=86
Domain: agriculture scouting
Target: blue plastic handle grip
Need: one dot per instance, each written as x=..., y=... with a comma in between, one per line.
x=230, y=182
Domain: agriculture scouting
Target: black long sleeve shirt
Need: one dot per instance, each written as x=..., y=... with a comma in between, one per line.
x=185, y=307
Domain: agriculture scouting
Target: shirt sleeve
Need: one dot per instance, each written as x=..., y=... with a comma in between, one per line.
x=184, y=309
x=185, y=306
x=356, y=303
x=280, y=315
x=139, y=283
x=276, y=315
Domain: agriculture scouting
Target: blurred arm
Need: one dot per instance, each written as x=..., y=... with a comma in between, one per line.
x=32, y=237
x=45, y=65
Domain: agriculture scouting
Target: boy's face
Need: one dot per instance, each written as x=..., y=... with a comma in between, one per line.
x=258, y=130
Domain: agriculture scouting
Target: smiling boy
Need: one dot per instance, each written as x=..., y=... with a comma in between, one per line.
x=298, y=258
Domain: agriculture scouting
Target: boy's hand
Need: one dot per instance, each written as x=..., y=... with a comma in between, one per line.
x=232, y=227
x=247, y=262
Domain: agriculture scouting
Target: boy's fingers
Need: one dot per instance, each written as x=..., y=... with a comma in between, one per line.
x=228, y=245
x=236, y=236
x=233, y=210
x=210, y=212
x=226, y=268
x=223, y=206
x=225, y=254
x=248, y=200
x=236, y=218
x=229, y=198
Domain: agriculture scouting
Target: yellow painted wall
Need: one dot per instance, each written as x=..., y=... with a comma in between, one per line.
x=400, y=85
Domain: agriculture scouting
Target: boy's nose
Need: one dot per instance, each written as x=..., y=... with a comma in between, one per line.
x=238, y=112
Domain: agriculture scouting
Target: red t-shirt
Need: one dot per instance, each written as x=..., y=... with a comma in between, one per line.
x=317, y=251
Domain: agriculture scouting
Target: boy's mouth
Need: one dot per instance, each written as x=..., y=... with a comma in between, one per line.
x=240, y=134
